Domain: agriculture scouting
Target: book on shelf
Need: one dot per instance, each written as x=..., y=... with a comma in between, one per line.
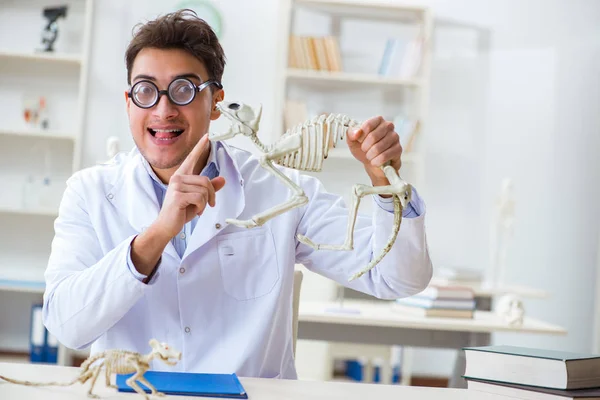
x=407, y=129
x=439, y=303
x=432, y=311
x=448, y=292
x=318, y=53
x=543, y=368
x=506, y=390
x=401, y=58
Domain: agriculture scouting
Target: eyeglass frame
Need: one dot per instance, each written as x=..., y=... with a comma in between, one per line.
x=197, y=89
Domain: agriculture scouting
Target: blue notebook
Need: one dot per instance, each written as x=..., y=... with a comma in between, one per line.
x=189, y=384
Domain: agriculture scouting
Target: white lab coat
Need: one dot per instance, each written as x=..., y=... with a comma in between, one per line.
x=227, y=303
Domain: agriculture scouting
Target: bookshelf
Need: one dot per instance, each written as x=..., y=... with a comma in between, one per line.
x=342, y=79
x=41, y=58
x=37, y=157
x=362, y=59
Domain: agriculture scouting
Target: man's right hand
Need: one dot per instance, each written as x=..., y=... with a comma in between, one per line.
x=187, y=195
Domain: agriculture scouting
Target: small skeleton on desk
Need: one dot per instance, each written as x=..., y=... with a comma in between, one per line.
x=510, y=308
x=305, y=147
x=117, y=362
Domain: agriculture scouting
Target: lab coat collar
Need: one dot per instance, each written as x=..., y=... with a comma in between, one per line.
x=229, y=201
x=134, y=197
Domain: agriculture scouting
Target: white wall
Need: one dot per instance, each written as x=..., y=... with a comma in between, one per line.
x=536, y=122
x=540, y=128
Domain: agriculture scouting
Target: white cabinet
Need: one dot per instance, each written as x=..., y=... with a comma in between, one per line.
x=43, y=104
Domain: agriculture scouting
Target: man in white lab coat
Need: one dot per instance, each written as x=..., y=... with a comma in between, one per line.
x=142, y=249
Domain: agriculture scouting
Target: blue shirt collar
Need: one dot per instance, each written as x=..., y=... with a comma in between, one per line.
x=211, y=170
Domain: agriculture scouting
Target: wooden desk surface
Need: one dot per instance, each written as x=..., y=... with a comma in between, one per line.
x=382, y=314
x=257, y=389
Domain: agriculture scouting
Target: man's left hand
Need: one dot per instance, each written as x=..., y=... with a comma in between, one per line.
x=374, y=143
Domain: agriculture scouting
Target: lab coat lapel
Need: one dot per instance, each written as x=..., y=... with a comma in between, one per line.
x=229, y=203
x=135, y=199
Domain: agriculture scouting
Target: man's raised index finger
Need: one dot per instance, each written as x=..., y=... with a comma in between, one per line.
x=187, y=166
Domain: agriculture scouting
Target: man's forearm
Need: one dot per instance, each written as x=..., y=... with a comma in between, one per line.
x=147, y=248
x=379, y=181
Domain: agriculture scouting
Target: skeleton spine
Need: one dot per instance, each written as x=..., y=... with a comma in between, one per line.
x=318, y=135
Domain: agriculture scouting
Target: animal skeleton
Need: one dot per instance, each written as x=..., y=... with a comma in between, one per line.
x=305, y=147
x=118, y=362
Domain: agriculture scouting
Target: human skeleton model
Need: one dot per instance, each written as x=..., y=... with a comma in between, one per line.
x=117, y=362
x=304, y=148
x=502, y=230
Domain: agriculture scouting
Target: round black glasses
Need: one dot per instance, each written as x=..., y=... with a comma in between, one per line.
x=181, y=91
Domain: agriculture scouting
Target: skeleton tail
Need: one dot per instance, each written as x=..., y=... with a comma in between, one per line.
x=390, y=242
x=85, y=366
x=28, y=383
x=84, y=375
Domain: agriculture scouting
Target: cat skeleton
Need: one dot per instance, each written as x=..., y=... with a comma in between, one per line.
x=305, y=147
x=117, y=362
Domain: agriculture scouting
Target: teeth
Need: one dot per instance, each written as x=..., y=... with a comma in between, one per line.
x=167, y=130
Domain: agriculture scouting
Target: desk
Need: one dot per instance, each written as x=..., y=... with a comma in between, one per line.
x=378, y=323
x=484, y=296
x=258, y=389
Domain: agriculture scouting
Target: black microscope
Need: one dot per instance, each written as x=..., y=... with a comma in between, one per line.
x=50, y=32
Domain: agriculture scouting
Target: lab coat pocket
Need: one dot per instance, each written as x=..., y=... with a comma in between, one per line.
x=248, y=263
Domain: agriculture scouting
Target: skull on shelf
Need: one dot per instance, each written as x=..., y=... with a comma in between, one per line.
x=510, y=308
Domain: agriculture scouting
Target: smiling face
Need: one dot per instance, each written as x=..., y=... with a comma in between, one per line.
x=166, y=133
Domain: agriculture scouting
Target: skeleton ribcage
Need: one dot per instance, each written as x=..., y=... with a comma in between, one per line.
x=121, y=362
x=319, y=134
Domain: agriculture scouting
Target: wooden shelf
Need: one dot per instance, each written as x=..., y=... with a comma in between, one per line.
x=38, y=133
x=344, y=8
x=327, y=78
x=67, y=59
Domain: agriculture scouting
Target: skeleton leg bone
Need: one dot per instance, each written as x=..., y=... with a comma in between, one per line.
x=357, y=195
x=131, y=381
x=298, y=199
x=95, y=373
x=390, y=242
x=107, y=377
x=149, y=386
x=402, y=195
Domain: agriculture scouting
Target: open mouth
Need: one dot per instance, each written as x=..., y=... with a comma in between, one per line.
x=172, y=360
x=165, y=134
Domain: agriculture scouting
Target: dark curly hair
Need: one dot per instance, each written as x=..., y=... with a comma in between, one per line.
x=182, y=29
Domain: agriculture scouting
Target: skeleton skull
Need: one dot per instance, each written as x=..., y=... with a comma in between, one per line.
x=164, y=352
x=244, y=119
x=510, y=309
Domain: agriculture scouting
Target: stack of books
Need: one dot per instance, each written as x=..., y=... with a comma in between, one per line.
x=511, y=372
x=439, y=301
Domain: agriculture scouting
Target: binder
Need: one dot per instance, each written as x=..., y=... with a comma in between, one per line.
x=37, y=336
x=51, y=348
x=189, y=384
